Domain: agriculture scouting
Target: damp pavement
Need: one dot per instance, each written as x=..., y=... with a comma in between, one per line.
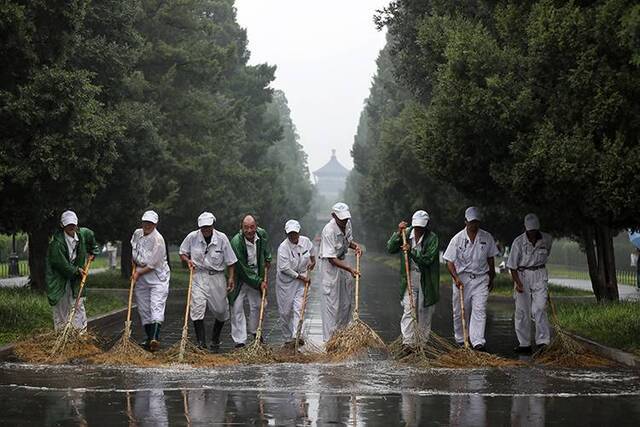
x=371, y=390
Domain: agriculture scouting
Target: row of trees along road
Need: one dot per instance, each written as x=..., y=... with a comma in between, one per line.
x=111, y=107
x=515, y=106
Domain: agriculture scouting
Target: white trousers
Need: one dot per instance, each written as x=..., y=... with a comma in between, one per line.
x=335, y=303
x=62, y=310
x=209, y=290
x=476, y=293
x=531, y=304
x=151, y=298
x=424, y=314
x=238, y=318
x=290, y=297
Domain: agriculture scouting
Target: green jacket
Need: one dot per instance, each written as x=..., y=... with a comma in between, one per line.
x=244, y=273
x=59, y=270
x=426, y=257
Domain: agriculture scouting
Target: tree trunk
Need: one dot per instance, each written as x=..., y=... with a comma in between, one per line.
x=609, y=261
x=38, y=245
x=592, y=261
x=125, y=258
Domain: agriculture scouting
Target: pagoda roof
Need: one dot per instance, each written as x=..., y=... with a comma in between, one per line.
x=332, y=168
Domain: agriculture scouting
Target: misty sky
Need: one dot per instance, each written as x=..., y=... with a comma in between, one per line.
x=325, y=52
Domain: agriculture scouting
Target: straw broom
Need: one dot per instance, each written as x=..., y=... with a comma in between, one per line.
x=184, y=351
x=564, y=350
x=256, y=352
x=311, y=353
x=126, y=351
x=421, y=354
x=63, y=345
x=357, y=336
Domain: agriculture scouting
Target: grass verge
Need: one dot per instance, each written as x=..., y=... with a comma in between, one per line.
x=23, y=311
x=613, y=324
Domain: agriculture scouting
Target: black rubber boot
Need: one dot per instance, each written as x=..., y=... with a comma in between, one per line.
x=148, y=331
x=154, y=344
x=198, y=325
x=215, y=336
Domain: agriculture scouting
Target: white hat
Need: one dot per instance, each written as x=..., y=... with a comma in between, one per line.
x=68, y=217
x=292, y=225
x=150, y=216
x=531, y=222
x=420, y=219
x=341, y=210
x=206, y=219
x=472, y=214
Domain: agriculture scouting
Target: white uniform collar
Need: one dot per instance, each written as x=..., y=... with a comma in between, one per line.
x=70, y=239
x=255, y=239
x=412, y=236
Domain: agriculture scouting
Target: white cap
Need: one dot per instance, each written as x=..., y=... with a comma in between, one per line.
x=292, y=225
x=206, y=219
x=150, y=216
x=68, y=217
x=341, y=210
x=472, y=214
x=531, y=222
x=420, y=219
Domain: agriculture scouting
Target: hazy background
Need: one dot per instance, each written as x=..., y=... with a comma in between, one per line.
x=325, y=53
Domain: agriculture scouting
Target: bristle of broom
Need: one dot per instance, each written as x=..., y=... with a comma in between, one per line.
x=256, y=352
x=126, y=352
x=565, y=352
x=309, y=353
x=352, y=340
x=438, y=352
x=194, y=356
x=78, y=345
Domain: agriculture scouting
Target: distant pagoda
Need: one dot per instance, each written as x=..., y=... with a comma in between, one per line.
x=331, y=179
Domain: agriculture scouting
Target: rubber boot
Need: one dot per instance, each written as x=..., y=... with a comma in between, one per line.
x=148, y=331
x=215, y=336
x=198, y=326
x=154, y=344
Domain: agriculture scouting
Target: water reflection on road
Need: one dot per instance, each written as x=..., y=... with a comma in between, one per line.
x=369, y=391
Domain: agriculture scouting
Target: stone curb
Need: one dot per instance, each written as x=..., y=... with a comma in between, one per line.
x=96, y=322
x=620, y=356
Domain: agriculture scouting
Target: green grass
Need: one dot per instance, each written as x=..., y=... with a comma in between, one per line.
x=612, y=324
x=23, y=311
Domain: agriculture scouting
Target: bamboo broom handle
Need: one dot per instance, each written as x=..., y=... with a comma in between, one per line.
x=356, y=312
x=131, y=285
x=302, y=310
x=186, y=311
x=464, y=322
x=85, y=273
x=259, y=331
x=408, y=271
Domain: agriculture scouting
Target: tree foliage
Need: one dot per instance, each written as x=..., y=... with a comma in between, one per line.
x=111, y=107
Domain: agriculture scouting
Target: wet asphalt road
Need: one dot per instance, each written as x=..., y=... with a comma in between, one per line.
x=362, y=392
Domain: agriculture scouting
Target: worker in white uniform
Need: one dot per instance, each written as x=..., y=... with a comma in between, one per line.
x=208, y=253
x=336, y=274
x=470, y=261
x=296, y=257
x=151, y=274
x=527, y=262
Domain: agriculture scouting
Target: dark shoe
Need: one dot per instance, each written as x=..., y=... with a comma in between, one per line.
x=541, y=348
x=290, y=344
x=154, y=344
x=300, y=342
x=148, y=330
x=523, y=350
x=239, y=345
x=217, y=330
x=479, y=347
x=198, y=326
